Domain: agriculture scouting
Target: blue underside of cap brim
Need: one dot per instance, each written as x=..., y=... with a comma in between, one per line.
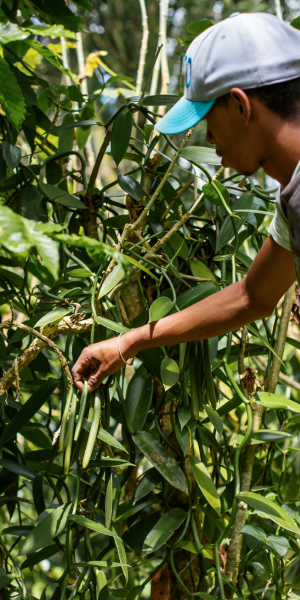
x=183, y=115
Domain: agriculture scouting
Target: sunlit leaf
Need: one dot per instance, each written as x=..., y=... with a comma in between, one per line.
x=93, y=525
x=54, y=315
x=269, y=509
x=160, y=308
x=205, y=483
x=278, y=402
x=169, y=372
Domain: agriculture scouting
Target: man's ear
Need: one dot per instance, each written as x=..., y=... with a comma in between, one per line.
x=242, y=103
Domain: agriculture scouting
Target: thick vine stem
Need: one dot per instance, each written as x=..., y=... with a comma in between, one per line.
x=287, y=304
x=236, y=538
x=68, y=325
x=234, y=551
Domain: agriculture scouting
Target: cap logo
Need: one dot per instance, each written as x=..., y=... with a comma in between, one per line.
x=188, y=71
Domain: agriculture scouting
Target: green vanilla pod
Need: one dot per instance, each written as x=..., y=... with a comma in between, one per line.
x=83, y=400
x=62, y=439
x=70, y=432
x=93, y=431
x=85, y=437
x=194, y=382
x=208, y=374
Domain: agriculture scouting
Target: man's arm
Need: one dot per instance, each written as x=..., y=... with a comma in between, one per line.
x=256, y=296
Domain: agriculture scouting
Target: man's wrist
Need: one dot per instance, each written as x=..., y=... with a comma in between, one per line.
x=130, y=343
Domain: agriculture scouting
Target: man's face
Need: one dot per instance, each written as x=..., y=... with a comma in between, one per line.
x=236, y=135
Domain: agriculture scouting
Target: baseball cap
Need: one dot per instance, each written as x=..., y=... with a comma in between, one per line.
x=247, y=50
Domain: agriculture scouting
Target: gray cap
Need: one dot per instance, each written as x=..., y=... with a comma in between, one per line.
x=247, y=50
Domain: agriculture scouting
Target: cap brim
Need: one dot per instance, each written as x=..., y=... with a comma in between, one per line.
x=183, y=115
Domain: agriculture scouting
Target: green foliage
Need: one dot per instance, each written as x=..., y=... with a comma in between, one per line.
x=98, y=491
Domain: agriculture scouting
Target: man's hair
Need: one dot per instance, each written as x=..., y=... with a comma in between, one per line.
x=282, y=98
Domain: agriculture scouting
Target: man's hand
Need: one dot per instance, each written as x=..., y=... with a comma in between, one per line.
x=96, y=362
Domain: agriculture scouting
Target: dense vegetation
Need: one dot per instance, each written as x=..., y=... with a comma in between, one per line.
x=180, y=474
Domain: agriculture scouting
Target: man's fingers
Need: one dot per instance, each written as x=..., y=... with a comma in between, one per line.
x=95, y=379
x=82, y=369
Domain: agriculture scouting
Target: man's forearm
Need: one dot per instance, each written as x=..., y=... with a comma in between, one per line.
x=221, y=312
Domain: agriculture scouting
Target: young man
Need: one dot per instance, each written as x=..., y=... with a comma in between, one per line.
x=243, y=77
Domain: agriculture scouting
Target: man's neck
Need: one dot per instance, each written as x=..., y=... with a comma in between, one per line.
x=283, y=151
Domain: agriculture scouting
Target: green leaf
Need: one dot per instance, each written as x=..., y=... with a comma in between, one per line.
x=269, y=435
x=93, y=525
x=66, y=138
x=185, y=437
x=9, y=32
x=200, y=154
x=161, y=459
x=80, y=273
x=140, y=266
x=11, y=97
x=214, y=418
x=57, y=314
x=36, y=557
x=184, y=415
x=47, y=529
x=164, y=528
x=132, y=187
x=46, y=248
x=21, y=530
x=169, y=372
x=256, y=538
x=269, y=509
x=109, y=462
x=179, y=246
x=160, y=308
x=198, y=26
x=104, y=435
x=52, y=31
x=120, y=135
x=61, y=196
x=150, y=480
x=121, y=553
x=100, y=563
x=159, y=100
x=138, y=402
x=118, y=78
x=112, y=325
x=11, y=154
x=256, y=333
x=117, y=222
x=295, y=23
x=27, y=411
x=197, y=293
x=279, y=544
x=205, y=483
x=213, y=196
x=226, y=233
x=199, y=269
x=111, y=280
x=5, y=580
x=278, y=402
x=46, y=53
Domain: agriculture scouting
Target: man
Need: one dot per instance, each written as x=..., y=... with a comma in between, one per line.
x=243, y=77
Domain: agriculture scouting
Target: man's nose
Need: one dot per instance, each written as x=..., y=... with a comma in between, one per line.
x=209, y=137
